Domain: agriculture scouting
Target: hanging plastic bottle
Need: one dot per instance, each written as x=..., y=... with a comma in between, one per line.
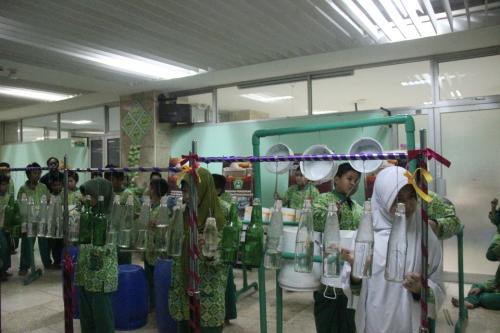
x=114, y=221
x=231, y=235
x=160, y=232
x=42, y=217
x=32, y=218
x=254, y=237
x=51, y=218
x=125, y=234
x=396, y=248
x=73, y=225
x=3, y=208
x=210, y=235
x=100, y=224
x=331, y=244
x=304, y=242
x=23, y=210
x=12, y=219
x=85, y=233
x=175, y=231
x=363, y=248
x=272, y=257
x=142, y=226
x=58, y=217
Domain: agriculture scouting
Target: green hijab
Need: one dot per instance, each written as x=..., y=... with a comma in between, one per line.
x=208, y=201
x=96, y=187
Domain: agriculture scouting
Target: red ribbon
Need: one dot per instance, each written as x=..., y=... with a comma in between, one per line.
x=68, y=271
x=191, y=157
x=430, y=154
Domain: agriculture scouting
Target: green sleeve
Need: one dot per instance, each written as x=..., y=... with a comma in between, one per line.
x=443, y=212
x=320, y=210
x=493, y=252
x=492, y=285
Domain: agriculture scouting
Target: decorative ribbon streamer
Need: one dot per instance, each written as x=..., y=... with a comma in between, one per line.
x=412, y=181
x=68, y=270
x=430, y=154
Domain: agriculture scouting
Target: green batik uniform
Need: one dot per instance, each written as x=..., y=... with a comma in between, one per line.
x=97, y=273
x=443, y=212
x=74, y=198
x=213, y=273
x=43, y=244
x=295, y=197
x=493, y=252
x=332, y=315
x=489, y=297
x=126, y=257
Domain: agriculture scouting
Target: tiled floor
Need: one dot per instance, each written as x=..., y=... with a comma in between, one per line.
x=38, y=308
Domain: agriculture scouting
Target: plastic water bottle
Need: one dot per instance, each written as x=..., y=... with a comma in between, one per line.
x=32, y=218
x=125, y=235
x=210, y=236
x=363, y=248
x=142, y=226
x=176, y=230
x=272, y=257
x=23, y=210
x=42, y=217
x=160, y=238
x=254, y=237
x=331, y=244
x=396, y=249
x=304, y=242
x=115, y=218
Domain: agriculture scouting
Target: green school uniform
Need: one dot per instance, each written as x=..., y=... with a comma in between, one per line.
x=5, y=260
x=74, y=198
x=43, y=244
x=295, y=197
x=332, y=315
x=489, y=297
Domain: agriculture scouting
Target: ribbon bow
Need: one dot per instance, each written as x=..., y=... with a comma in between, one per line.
x=412, y=181
x=190, y=157
x=184, y=171
x=430, y=154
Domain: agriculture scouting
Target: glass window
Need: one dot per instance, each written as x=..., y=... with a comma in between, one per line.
x=11, y=131
x=96, y=153
x=113, y=150
x=201, y=106
x=39, y=128
x=83, y=122
x=388, y=86
x=275, y=101
x=469, y=78
x=114, y=118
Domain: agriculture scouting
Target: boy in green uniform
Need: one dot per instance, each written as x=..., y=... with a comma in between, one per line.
x=33, y=188
x=332, y=315
x=74, y=195
x=296, y=195
x=97, y=270
x=56, y=245
x=5, y=170
x=225, y=203
x=157, y=189
x=5, y=199
x=117, y=179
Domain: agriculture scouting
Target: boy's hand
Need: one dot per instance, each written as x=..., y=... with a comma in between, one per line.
x=492, y=213
x=347, y=255
x=412, y=282
x=474, y=291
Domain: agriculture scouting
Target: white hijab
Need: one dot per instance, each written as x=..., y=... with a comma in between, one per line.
x=387, y=306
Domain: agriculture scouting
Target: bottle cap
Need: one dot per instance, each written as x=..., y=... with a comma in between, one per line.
x=401, y=208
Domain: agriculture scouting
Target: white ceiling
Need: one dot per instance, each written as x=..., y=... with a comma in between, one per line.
x=39, y=39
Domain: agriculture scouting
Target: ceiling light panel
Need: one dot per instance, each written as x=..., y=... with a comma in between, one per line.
x=40, y=95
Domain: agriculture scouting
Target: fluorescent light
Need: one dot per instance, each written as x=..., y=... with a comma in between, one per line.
x=39, y=95
x=452, y=94
x=325, y=15
x=362, y=19
x=428, y=103
x=380, y=20
x=264, y=98
x=324, y=111
x=139, y=65
x=459, y=94
x=75, y=122
x=401, y=9
x=396, y=17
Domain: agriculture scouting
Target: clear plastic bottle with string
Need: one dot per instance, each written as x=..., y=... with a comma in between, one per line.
x=231, y=235
x=211, y=238
x=331, y=244
x=51, y=217
x=85, y=232
x=23, y=211
x=395, y=265
x=115, y=218
x=176, y=230
x=363, y=248
x=142, y=225
x=304, y=241
x=162, y=225
x=42, y=217
x=32, y=217
x=272, y=256
x=58, y=217
x=126, y=225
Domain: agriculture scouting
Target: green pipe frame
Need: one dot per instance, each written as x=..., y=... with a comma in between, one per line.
x=409, y=124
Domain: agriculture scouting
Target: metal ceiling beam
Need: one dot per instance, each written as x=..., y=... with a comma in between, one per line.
x=351, y=9
x=431, y=14
x=410, y=9
x=449, y=14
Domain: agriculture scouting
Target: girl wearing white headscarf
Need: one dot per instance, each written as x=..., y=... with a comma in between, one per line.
x=392, y=307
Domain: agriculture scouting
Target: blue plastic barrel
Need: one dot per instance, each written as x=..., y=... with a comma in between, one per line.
x=130, y=301
x=162, y=283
